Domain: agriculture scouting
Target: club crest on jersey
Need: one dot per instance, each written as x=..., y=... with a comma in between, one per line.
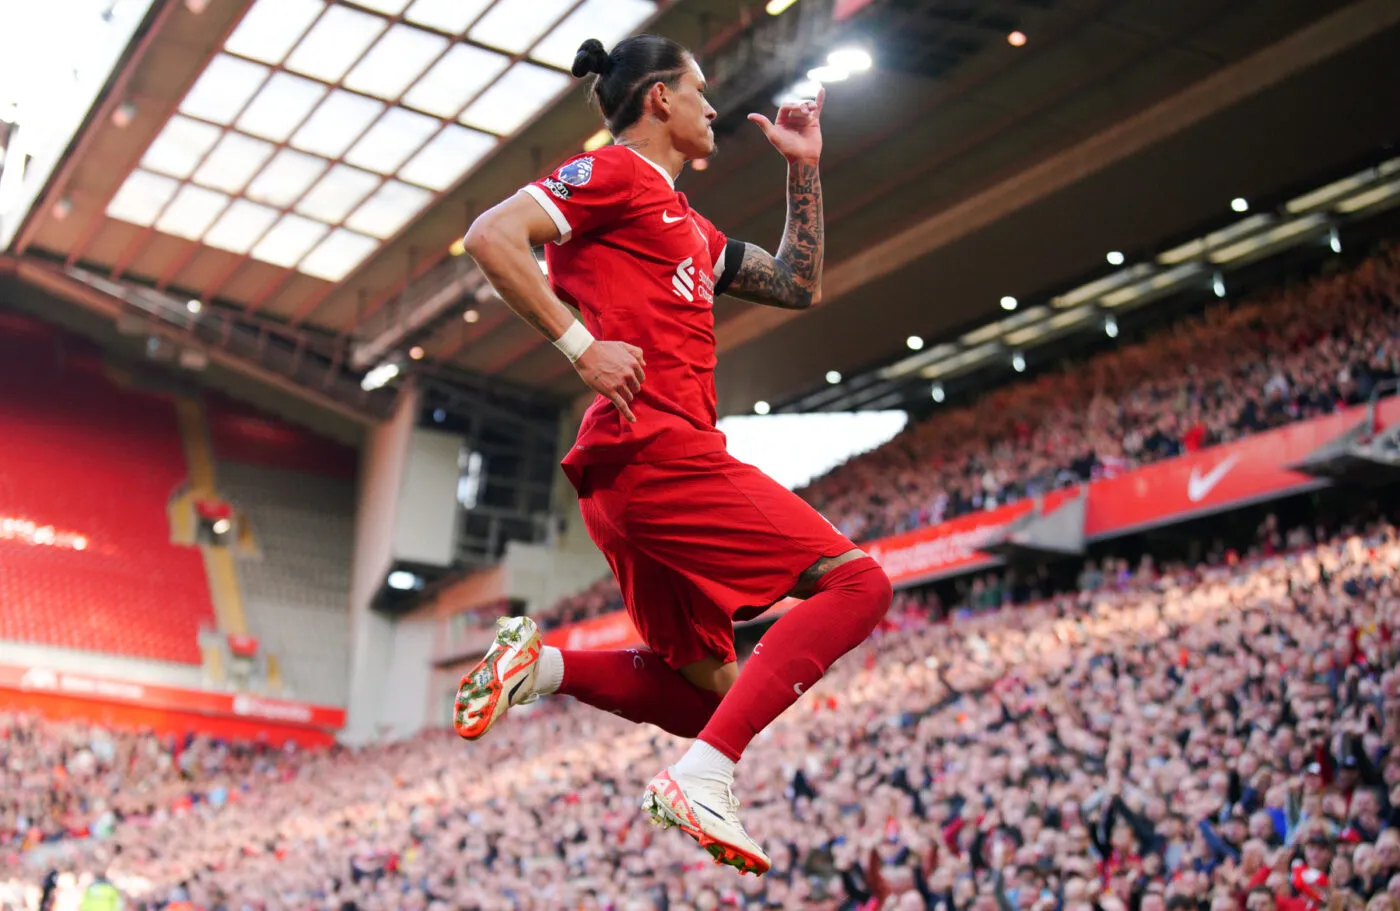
x=577, y=173
x=557, y=188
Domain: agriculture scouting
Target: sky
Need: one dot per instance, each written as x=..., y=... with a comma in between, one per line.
x=795, y=448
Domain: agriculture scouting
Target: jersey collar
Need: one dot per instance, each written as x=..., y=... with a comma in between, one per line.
x=660, y=170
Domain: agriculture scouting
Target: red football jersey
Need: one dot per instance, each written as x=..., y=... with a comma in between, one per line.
x=640, y=265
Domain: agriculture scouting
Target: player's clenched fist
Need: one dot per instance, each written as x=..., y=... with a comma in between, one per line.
x=614, y=370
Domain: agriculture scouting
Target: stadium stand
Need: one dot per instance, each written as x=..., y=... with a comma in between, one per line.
x=296, y=580
x=86, y=470
x=1186, y=738
x=1240, y=368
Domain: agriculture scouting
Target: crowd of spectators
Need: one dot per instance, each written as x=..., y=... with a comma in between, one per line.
x=1208, y=738
x=1293, y=354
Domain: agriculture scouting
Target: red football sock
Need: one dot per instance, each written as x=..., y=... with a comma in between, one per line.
x=637, y=684
x=850, y=601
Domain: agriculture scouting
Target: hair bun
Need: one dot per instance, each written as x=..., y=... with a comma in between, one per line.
x=591, y=58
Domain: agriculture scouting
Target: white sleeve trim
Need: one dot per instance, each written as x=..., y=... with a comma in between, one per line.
x=556, y=216
x=719, y=263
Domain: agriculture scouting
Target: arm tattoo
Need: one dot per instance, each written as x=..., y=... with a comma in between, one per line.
x=790, y=279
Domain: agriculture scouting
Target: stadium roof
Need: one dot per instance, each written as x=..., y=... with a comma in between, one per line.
x=309, y=162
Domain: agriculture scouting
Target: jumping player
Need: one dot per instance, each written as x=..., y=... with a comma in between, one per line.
x=696, y=538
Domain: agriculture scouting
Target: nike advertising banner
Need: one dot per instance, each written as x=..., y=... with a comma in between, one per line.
x=1221, y=477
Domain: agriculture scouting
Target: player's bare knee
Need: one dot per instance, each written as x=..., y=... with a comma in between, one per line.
x=711, y=675
x=864, y=579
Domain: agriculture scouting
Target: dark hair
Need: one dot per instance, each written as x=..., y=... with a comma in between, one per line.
x=626, y=73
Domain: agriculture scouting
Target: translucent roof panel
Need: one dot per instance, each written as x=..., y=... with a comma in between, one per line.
x=338, y=255
x=513, y=25
x=272, y=28
x=337, y=194
x=224, y=88
x=239, y=228
x=286, y=178
x=452, y=16
x=337, y=123
x=281, y=106
x=289, y=240
x=518, y=96
x=180, y=147
x=389, y=209
x=455, y=79
x=191, y=212
x=607, y=20
x=395, y=61
x=141, y=197
x=390, y=142
x=335, y=43
x=233, y=162
x=390, y=7
x=449, y=155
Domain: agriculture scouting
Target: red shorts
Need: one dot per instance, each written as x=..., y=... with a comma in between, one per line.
x=698, y=543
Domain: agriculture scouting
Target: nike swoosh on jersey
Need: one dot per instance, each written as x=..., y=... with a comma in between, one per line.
x=666, y=217
x=1199, y=486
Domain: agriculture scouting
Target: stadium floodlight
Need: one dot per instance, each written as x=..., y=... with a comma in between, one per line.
x=379, y=376
x=1018, y=362
x=1115, y=258
x=1110, y=327
x=778, y=7
x=1239, y=204
x=914, y=342
x=850, y=59
x=761, y=407
x=1334, y=240
x=833, y=377
x=1217, y=284
x=1016, y=39
x=194, y=305
x=938, y=393
x=222, y=526
x=400, y=580
x=828, y=73
x=1008, y=303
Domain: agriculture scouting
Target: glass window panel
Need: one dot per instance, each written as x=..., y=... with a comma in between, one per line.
x=191, y=212
x=281, y=106
x=141, y=197
x=181, y=145
x=452, y=16
x=335, y=43
x=389, y=143
x=286, y=177
x=224, y=88
x=337, y=194
x=289, y=240
x=399, y=58
x=240, y=226
x=271, y=28
x=518, y=96
x=513, y=25
x=607, y=20
x=233, y=162
x=338, y=255
x=339, y=121
x=389, y=209
x=449, y=155
x=455, y=79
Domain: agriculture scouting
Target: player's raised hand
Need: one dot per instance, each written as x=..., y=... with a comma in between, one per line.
x=797, y=131
x=614, y=370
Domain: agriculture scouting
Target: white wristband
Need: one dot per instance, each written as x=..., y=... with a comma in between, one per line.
x=574, y=341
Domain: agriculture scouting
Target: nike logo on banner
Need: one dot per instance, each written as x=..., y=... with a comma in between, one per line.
x=1199, y=486
x=666, y=217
